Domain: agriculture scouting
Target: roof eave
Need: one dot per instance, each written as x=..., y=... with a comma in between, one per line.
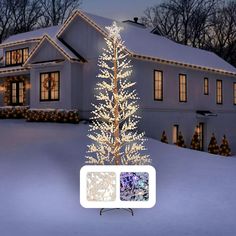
x=10, y=44
x=47, y=37
x=12, y=70
x=191, y=66
x=73, y=16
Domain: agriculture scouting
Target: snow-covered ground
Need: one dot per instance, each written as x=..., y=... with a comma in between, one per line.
x=39, y=188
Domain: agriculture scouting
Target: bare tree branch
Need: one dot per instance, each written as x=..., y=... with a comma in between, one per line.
x=56, y=11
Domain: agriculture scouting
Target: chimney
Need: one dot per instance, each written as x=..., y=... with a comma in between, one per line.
x=136, y=20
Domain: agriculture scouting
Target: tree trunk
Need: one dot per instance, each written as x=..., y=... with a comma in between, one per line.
x=116, y=110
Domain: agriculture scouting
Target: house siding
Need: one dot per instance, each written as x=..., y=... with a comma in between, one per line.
x=47, y=52
x=65, y=87
x=82, y=37
x=162, y=115
x=77, y=82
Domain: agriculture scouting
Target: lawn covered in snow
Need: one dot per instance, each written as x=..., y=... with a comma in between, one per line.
x=39, y=188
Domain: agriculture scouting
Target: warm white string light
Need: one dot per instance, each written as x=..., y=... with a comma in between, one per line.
x=114, y=121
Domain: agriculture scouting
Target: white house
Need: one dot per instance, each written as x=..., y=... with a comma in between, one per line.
x=180, y=87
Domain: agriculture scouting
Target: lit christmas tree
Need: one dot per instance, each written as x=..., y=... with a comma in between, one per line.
x=114, y=122
x=164, y=137
x=213, y=148
x=180, y=141
x=195, y=143
x=224, y=147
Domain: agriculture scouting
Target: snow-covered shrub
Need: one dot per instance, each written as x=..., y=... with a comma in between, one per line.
x=13, y=112
x=52, y=115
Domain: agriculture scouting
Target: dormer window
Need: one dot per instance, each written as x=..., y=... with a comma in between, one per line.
x=16, y=57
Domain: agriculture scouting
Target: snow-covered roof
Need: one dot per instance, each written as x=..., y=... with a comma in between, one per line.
x=32, y=35
x=141, y=42
x=39, y=35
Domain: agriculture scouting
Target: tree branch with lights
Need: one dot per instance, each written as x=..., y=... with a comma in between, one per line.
x=113, y=131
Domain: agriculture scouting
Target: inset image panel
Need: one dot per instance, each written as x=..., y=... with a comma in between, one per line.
x=117, y=186
x=134, y=186
x=101, y=186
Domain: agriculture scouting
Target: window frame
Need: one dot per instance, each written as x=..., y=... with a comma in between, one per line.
x=186, y=88
x=162, y=85
x=217, y=95
x=17, y=95
x=9, y=52
x=49, y=92
x=234, y=93
x=206, y=86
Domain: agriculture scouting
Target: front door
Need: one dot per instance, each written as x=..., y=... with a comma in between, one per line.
x=201, y=135
x=17, y=93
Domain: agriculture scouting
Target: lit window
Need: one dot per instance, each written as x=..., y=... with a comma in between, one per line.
x=25, y=54
x=158, y=85
x=16, y=57
x=234, y=93
x=200, y=132
x=8, y=58
x=219, y=92
x=182, y=88
x=206, y=86
x=175, y=132
x=49, y=86
x=13, y=93
x=17, y=93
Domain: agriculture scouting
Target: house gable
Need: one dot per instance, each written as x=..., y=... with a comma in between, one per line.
x=44, y=51
x=82, y=36
x=49, y=50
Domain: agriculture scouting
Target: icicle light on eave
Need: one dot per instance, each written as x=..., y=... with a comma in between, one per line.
x=14, y=70
x=78, y=13
x=15, y=43
x=147, y=58
x=46, y=37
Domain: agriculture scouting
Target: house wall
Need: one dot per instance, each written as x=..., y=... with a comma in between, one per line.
x=90, y=72
x=77, y=78
x=162, y=115
x=47, y=52
x=143, y=72
x=65, y=87
x=70, y=79
x=86, y=40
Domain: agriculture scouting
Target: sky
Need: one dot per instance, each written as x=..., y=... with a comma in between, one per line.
x=118, y=9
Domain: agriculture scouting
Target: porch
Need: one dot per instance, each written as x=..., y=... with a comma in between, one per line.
x=15, y=90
